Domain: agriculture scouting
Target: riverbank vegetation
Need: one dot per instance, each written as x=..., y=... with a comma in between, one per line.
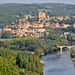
x=73, y=53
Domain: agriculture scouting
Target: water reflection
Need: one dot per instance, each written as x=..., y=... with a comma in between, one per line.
x=54, y=58
x=58, y=64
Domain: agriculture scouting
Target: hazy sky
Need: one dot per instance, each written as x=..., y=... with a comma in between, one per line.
x=38, y=1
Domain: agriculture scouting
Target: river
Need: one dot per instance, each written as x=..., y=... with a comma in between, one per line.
x=58, y=64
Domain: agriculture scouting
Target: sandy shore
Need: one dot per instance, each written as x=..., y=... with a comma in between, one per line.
x=73, y=59
x=43, y=62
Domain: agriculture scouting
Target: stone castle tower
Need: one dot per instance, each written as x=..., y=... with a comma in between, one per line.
x=42, y=15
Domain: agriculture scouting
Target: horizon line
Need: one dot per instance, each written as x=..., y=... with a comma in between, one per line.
x=36, y=3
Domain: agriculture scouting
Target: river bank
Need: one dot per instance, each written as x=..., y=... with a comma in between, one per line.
x=72, y=54
x=73, y=59
x=43, y=62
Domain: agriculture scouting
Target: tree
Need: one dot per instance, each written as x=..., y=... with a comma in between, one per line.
x=70, y=38
x=6, y=35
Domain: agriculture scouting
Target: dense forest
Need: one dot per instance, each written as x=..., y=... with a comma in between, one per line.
x=19, y=63
x=9, y=12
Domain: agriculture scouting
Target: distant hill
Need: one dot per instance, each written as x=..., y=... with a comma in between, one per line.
x=8, y=12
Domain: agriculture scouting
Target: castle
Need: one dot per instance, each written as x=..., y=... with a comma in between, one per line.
x=42, y=16
x=31, y=26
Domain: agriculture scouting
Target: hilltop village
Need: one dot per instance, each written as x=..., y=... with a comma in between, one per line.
x=35, y=26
